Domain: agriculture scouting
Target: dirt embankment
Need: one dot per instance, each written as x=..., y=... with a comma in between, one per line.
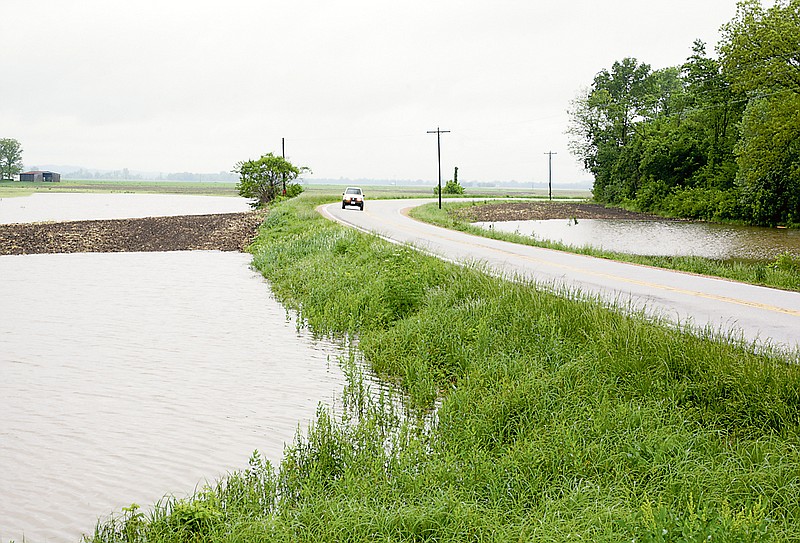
x=222, y=232
x=532, y=211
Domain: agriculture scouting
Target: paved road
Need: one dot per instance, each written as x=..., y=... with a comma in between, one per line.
x=756, y=314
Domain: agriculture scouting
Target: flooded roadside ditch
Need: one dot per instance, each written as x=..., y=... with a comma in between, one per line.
x=660, y=237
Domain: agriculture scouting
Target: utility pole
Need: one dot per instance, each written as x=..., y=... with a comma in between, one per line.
x=550, y=172
x=439, y=157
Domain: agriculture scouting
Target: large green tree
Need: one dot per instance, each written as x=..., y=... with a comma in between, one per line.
x=606, y=123
x=769, y=160
x=716, y=138
x=10, y=158
x=760, y=52
x=713, y=112
x=268, y=178
x=760, y=48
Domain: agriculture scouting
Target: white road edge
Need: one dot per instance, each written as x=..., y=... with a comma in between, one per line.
x=761, y=316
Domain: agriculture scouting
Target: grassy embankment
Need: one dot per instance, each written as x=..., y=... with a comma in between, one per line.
x=782, y=273
x=557, y=420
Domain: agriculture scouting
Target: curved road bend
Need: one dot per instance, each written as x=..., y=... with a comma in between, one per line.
x=757, y=314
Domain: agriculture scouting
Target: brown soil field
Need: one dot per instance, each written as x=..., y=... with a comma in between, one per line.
x=529, y=211
x=235, y=231
x=222, y=232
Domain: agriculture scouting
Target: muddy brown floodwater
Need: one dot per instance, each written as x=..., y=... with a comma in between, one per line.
x=621, y=231
x=127, y=376
x=537, y=211
x=132, y=356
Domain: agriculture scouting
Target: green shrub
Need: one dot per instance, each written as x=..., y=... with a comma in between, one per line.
x=787, y=262
x=293, y=190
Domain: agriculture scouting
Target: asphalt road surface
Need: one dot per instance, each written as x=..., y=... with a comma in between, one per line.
x=759, y=315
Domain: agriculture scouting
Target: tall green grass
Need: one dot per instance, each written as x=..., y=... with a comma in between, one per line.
x=782, y=273
x=526, y=416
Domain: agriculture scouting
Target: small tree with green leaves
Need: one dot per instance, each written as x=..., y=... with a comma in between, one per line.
x=268, y=178
x=10, y=158
x=452, y=186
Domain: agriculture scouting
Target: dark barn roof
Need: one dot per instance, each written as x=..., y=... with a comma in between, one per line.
x=40, y=175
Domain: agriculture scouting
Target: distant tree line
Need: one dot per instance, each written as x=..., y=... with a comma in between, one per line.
x=106, y=175
x=714, y=138
x=127, y=175
x=221, y=177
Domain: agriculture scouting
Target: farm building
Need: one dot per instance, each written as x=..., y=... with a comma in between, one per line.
x=38, y=175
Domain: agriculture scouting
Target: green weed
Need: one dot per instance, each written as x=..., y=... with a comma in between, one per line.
x=523, y=416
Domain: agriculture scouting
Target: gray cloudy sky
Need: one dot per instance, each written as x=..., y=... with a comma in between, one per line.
x=353, y=85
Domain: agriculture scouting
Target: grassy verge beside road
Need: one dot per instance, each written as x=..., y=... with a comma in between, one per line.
x=782, y=273
x=556, y=419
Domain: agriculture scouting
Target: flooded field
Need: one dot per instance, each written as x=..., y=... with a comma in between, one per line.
x=661, y=238
x=41, y=207
x=127, y=376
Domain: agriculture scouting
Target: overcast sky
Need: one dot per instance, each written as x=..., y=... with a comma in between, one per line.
x=353, y=86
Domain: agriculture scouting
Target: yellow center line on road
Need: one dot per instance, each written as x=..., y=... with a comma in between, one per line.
x=648, y=284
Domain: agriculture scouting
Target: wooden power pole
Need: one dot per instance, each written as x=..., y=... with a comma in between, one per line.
x=550, y=173
x=439, y=157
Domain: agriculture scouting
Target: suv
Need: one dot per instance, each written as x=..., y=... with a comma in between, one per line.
x=353, y=196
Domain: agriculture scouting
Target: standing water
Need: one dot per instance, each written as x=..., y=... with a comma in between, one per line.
x=661, y=238
x=128, y=376
x=40, y=207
